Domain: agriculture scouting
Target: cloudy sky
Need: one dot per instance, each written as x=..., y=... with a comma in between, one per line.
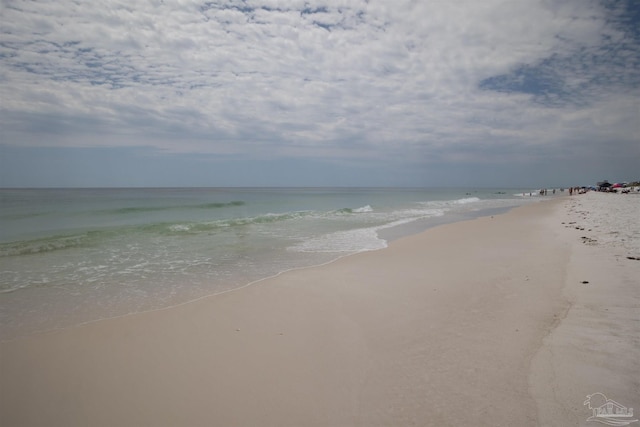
x=319, y=92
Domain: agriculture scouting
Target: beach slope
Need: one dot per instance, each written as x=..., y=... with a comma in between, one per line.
x=438, y=329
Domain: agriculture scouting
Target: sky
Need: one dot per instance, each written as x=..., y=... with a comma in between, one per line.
x=519, y=93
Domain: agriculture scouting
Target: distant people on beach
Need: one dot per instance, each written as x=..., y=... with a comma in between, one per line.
x=576, y=190
x=624, y=188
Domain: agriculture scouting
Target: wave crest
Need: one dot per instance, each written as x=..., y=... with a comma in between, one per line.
x=363, y=209
x=466, y=200
x=36, y=246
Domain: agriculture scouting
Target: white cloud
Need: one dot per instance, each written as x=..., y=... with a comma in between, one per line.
x=304, y=78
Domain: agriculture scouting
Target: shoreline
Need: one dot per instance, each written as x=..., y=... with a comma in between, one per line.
x=388, y=234
x=449, y=321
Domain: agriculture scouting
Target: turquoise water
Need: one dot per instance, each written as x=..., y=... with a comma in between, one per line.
x=69, y=256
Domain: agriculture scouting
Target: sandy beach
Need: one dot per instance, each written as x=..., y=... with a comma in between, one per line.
x=485, y=322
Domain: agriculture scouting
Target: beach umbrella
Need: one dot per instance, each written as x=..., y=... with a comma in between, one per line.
x=617, y=185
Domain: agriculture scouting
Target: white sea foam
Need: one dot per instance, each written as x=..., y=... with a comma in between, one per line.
x=364, y=239
x=413, y=214
x=180, y=227
x=448, y=204
x=467, y=200
x=363, y=209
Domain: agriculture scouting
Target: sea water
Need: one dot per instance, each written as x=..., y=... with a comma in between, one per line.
x=70, y=256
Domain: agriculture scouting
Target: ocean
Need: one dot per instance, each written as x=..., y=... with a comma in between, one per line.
x=71, y=256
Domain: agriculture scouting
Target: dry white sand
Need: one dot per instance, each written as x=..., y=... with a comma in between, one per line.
x=482, y=323
x=596, y=347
